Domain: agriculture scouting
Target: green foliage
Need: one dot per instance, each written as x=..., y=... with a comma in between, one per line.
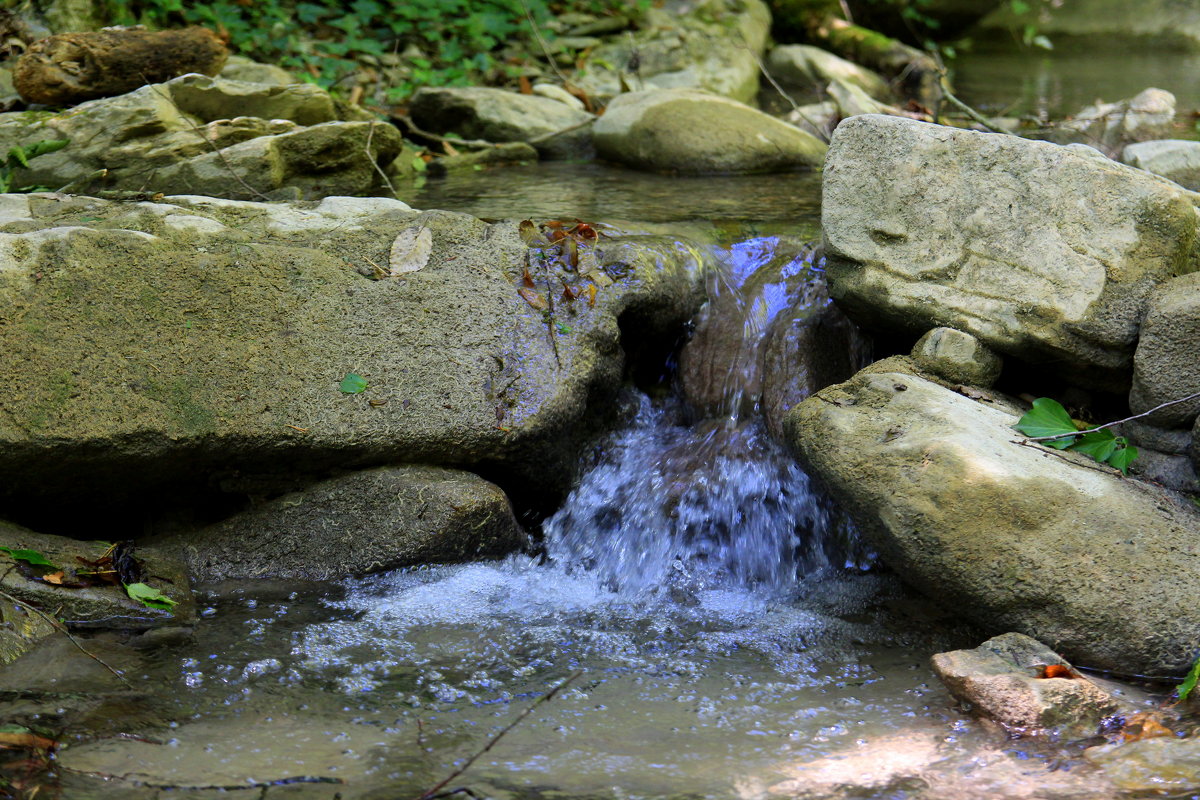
x=1049, y=418
x=18, y=157
x=149, y=596
x=441, y=42
x=1184, y=689
x=31, y=557
x=353, y=383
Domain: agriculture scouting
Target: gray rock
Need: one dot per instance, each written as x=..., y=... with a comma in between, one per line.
x=1110, y=127
x=1174, y=159
x=712, y=45
x=224, y=349
x=497, y=115
x=162, y=138
x=819, y=119
x=240, y=68
x=1174, y=442
x=1171, y=470
x=805, y=65
x=1040, y=252
x=1166, y=364
x=1165, y=23
x=1049, y=544
x=688, y=131
x=362, y=522
x=958, y=357
x=96, y=606
x=1163, y=764
x=1004, y=679
x=20, y=630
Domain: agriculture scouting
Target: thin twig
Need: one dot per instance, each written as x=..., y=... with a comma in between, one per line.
x=1117, y=422
x=846, y=11
x=568, y=129
x=58, y=626
x=207, y=141
x=367, y=147
x=478, y=144
x=467, y=765
x=542, y=43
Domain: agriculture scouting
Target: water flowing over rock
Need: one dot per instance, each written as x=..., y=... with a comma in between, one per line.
x=201, y=135
x=1016, y=537
x=363, y=522
x=151, y=343
x=1039, y=251
x=689, y=131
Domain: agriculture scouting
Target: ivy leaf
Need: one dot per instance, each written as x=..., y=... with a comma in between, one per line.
x=1100, y=445
x=1048, y=418
x=353, y=383
x=1189, y=683
x=31, y=557
x=149, y=596
x=1123, y=457
x=45, y=146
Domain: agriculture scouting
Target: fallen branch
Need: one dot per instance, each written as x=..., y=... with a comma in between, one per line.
x=434, y=792
x=542, y=43
x=475, y=144
x=547, y=136
x=367, y=148
x=1159, y=407
x=58, y=626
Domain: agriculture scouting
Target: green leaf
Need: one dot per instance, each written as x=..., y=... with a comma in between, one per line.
x=1100, y=445
x=45, y=146
x=17, y=155
x=1123, y=457
x=353, y=383
x=1193, y=677
x=149, y=596
x=31, y=557
x=1048, y=418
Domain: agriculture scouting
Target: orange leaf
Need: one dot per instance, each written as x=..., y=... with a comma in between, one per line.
x=533, y=298
x=570, y=292
x=527, y=279
x=26, y=741
x=54, y=577
x=526, y=86
x=591, y=295
x=1144, y=725
x=1057, y=671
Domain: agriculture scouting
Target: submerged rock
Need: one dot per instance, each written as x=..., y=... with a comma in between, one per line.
x=1163, y=764
x=1006, y=679
x=363, y=522
x=1174, y=159
x=1015, y=537
x=156, y=344
x=1039, y=251
x=689, y=131
x=163, y=138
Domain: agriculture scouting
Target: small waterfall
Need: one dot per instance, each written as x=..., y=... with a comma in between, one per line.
x=677, y=508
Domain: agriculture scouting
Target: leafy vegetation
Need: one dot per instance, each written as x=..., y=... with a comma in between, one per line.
x=149, y=596
x=1184, y=690
x=435, y=42
x=1049, y=422
x=30, y=557
x=18, y=157
x=353, y=383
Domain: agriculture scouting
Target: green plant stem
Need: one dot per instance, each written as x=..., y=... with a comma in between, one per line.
x=1116, y=422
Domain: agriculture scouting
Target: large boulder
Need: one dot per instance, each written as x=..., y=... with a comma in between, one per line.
x=202, y=135
x=1166, y=364
x=185, y=341
x=363, y=522
x=1174, y=159
x=1043, y=252
x=1015, y=536
x=711, y=44
x=689, y=131
x=496, y=115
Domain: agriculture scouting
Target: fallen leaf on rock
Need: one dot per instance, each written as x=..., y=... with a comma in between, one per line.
x=533, y=298
x=1144, y=725
x=590, y=291
x=15, y=736
x=527, y=280
x=149, y=596
x=54, y=577
x=1057, y=671
x=410, y=251
x=31, y=557
x=353, y=383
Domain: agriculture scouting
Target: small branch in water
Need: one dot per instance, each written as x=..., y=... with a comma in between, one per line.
x=434, y=792
x=547, y=136
x=58, y=626
x=470, y=144
x=1159, y=407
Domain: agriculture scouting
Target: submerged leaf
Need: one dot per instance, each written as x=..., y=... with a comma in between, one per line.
x=533, y=298
x=31, y=557
x=1048, y=418
x=353, y=383
x=149, y=596
x=410, y=250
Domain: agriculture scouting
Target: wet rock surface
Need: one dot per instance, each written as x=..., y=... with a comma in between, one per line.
x=1026, y=686
x=1022, y=538
x=1040, y=252
x=363, y=522
x=689, y=131
x=1165, y=764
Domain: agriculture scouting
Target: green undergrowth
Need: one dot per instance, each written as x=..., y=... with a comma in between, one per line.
x=434, y=42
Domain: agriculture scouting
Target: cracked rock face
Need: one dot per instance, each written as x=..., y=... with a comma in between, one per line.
x=1042, y=252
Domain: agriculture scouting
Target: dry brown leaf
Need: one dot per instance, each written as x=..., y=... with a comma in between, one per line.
x=1144, y=725
x=590, y=291
x=410, y=251
x=526, y=86
x=527, y=279
x=533, y=298
x=26, y=741
x=54, y=577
